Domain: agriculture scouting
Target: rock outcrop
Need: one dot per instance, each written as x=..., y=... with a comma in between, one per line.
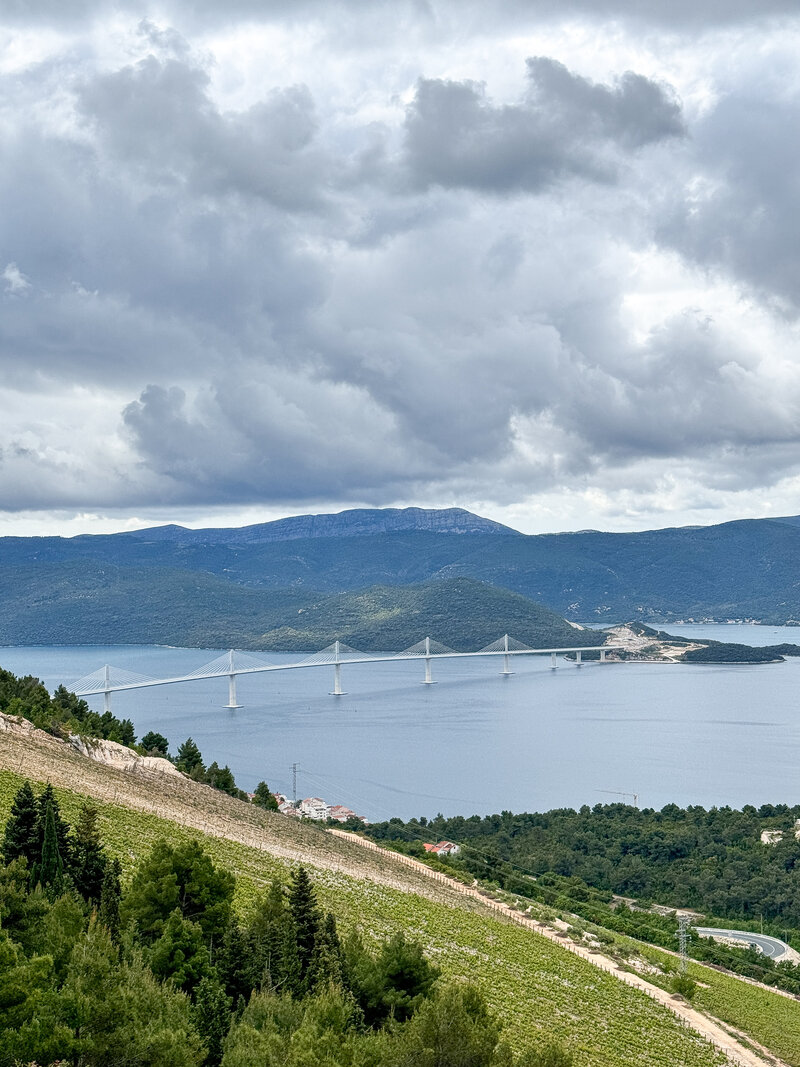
x=110, y=753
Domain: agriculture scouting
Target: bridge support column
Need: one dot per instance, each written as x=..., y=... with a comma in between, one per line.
x=553, y=661
x=506, y=662
x=337, y=673
x=428, y=677
x=107, y=690
x=602, y=655
x=578, y=661
x=231, y=684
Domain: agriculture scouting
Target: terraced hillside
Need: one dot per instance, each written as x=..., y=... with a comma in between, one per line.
x=536, y=986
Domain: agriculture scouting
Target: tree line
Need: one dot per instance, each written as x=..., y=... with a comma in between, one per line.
x=162, y=970
x=711, y=860
x=65, y=713
x=581, y=862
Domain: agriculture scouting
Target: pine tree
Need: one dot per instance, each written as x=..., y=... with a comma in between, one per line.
x=49, y=872
x=110, y=895
x=88, y=860
x=155, y=744
x=222, y=778
x=264, y=798
x=125, y=733
x=21, y=836
x=189, y=757
x=179, y=954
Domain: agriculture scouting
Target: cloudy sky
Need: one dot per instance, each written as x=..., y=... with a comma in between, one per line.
x=538, y=259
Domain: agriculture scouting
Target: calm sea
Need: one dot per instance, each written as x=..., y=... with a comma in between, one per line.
x=477, y=742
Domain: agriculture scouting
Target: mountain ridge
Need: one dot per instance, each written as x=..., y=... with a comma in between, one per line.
x=746, y=569
x=355, y=522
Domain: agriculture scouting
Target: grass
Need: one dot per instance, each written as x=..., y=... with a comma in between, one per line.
x=539, y=990
x=771, y=1019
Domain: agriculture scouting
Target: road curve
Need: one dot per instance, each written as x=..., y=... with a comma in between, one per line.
x=772, y=947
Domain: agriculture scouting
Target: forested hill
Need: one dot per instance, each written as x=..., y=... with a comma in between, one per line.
x=744, y=569
x=710, y=860
x=79, y=604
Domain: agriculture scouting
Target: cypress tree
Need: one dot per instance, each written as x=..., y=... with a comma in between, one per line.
x=88, y=861
x=50, y=870
x=328, y=962
x=21, y=836
x=212, y=1017
x=306, y=921
x=110, y=895
x=234, y=962
x=270, y=930
x=48, y=797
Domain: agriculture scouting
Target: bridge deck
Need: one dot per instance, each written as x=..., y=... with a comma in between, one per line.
x=345, y=659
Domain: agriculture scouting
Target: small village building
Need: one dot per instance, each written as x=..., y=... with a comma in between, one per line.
x=443, y=848
x=313, y=808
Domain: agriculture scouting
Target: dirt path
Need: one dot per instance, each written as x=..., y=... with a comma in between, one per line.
x=735, y=1051
x=42, y=758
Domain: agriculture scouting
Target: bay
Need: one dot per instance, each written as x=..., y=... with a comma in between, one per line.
x=477, y=742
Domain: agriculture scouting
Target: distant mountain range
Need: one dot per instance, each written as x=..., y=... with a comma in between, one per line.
x=282, y=584
x=361, y=522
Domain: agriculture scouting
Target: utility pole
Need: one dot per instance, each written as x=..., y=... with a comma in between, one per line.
x=683, y=942
x=294, y=784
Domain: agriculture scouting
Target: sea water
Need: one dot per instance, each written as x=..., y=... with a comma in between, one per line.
x=476, y=742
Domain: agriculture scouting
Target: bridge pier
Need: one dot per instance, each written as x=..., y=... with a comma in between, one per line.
x=428, y=680
x=553, y=662
x=231, y=684
x=337, y=673
x=506, y=661
x=107, y=690
x=578, y=662
x=602, y=655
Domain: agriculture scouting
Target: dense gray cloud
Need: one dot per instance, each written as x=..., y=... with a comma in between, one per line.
x=156, y=120
x=521, y=12
x=745, y=219
x=566, y=126
x=393, y=274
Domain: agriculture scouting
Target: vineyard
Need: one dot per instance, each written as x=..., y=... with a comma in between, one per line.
x=537, y=988
x=771, y=1019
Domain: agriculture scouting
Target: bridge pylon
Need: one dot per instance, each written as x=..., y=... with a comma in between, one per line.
x=232, y=703
x=428, y=679
x=506, y=671
x=337, y=672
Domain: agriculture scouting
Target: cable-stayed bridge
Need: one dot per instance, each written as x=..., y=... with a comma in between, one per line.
x=231, y=665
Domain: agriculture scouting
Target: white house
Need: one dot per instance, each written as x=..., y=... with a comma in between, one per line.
x=313, y=808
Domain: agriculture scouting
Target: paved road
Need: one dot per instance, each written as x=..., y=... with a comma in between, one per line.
x=770, y=946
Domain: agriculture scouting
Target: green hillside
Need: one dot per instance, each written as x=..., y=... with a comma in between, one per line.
x=538, y=989
x=86, y=603
x=743, y=569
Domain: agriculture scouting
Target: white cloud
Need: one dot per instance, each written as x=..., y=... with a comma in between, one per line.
x=15, y=280
x=281, y=259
